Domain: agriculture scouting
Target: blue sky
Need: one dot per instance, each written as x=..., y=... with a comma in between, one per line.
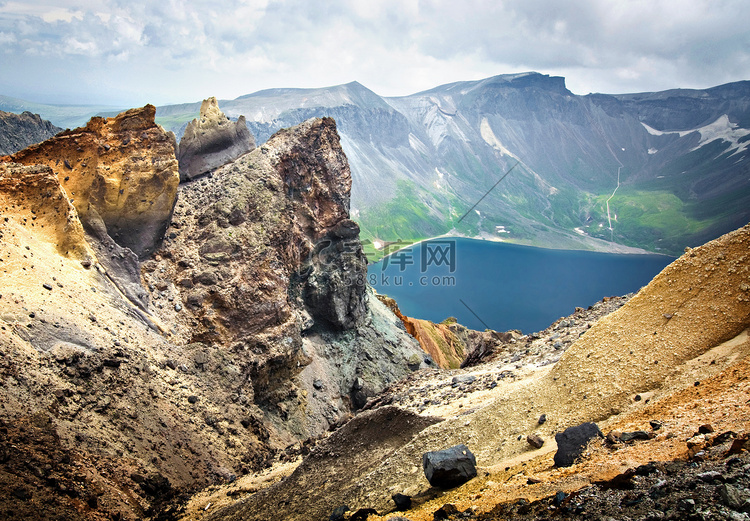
x=130, y=52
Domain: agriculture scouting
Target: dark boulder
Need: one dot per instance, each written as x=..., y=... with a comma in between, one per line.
x=450, y=467
x=403, y=502
x=572, y=442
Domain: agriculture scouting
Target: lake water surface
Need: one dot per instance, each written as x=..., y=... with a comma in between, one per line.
x=502, y=286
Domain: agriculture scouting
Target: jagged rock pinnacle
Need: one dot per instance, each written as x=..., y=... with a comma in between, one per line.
x=212, y=140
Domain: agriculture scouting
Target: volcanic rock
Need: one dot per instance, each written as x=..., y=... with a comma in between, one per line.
x=133, y=387
x=276, y=271
x=535, y=441
x=572, y=442
x=449, y=468
x=31, y=196
x=121, y=170
x=402, y=501
x=211, y=141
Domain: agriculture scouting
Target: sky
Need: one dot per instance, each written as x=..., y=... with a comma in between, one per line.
x=132, y=52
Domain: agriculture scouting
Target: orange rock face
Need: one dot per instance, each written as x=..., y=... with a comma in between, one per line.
x=121, y=171
x=31, y=199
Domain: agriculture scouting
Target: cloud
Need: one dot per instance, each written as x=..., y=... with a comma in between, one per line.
x=182, y=50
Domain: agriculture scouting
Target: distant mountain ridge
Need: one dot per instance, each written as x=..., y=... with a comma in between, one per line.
x=657, y=171
x=420, y=162
x=17, y=131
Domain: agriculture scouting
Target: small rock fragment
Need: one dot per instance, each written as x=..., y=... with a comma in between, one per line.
x=535, y=441
x=731, y=496
x=637, y=435
x=362, y=514
x=338, y=513
x=445, y=512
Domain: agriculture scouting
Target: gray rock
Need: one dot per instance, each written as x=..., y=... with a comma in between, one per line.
x=572, y=442
x=17, y=131
x=212, y=141
x=731, y=496
x=450, y=467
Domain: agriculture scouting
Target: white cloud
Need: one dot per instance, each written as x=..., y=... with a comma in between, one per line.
x=182, y=50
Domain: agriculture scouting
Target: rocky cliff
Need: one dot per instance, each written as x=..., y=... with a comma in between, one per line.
x=262, y=259
x=212, y=140
x=130, y=380
x=120, y=172
x=17, y=131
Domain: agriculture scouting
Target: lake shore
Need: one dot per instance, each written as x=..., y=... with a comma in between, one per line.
x=598, y=245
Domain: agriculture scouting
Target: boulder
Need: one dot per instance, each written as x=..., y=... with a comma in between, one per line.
x=572, y=442
x=211, y=141
x=535, y=441
x=402, y=501
x=449, y=468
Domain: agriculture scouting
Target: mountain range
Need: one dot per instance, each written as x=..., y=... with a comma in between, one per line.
x=656, y=171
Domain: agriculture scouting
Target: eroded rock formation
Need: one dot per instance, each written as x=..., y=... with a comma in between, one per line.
x=33, y=201
x=120, y=172
x=263, y=260
x=101, y=416
x=211, y=141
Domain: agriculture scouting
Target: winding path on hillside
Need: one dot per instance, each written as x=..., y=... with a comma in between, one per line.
x=611, y=196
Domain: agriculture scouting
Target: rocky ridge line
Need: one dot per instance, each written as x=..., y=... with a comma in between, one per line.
x=17, y=131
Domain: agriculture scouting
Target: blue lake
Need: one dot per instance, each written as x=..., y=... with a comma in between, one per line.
x=505, y=286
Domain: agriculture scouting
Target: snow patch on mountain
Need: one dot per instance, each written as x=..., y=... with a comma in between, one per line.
x=489, y=137
x=722, y=129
